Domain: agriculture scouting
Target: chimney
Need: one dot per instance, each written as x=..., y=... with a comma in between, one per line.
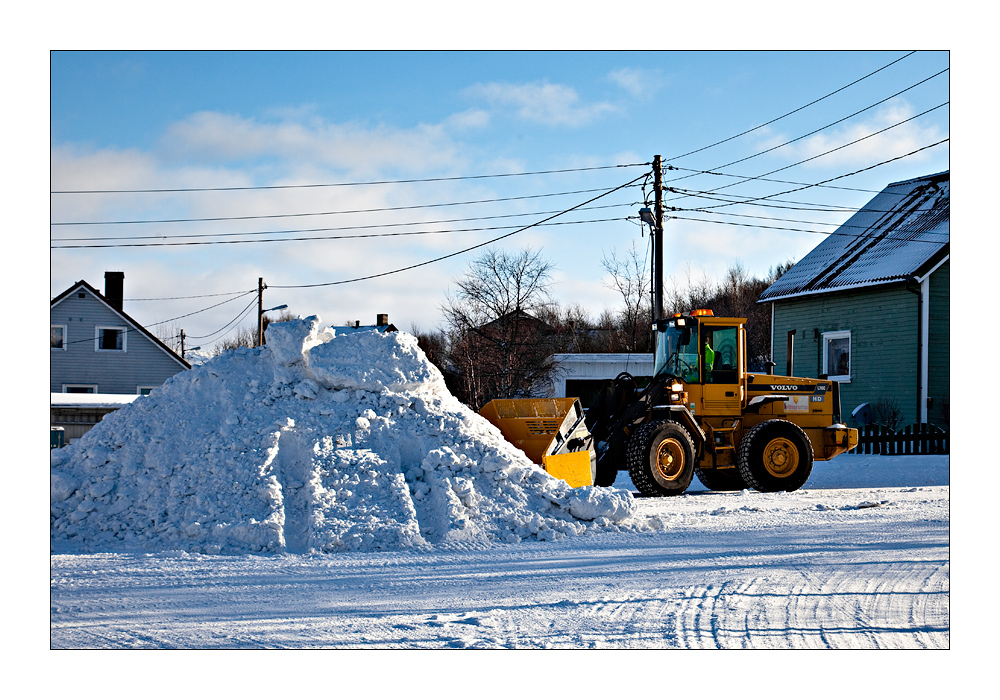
x=381, y=319
x=114, y=288
x=357, y=324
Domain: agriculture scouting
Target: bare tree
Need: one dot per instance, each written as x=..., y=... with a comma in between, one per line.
x=631, y=280
x=499, y=346
x=170, y=335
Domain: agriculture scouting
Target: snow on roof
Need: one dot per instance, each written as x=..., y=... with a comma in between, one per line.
x=900, y=233
x=344, y=330
x=91, y=400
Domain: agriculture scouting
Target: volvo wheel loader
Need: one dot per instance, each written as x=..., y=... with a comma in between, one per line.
x=703, y=413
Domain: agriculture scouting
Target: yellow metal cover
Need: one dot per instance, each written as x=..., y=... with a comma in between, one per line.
x=573, y=468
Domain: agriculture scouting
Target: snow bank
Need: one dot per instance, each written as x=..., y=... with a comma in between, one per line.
x=313, y=443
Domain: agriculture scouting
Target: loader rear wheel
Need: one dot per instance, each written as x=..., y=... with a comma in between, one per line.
x=721, y=479
x=660, y=458
x=775, y=455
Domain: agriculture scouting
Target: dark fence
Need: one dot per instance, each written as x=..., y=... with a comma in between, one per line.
x=915, y=439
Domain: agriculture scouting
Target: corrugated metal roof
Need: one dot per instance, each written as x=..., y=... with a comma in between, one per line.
x=901, y=230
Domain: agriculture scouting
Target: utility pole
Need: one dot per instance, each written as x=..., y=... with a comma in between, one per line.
x=260, y=311
x=182, y=343
x=657, y=239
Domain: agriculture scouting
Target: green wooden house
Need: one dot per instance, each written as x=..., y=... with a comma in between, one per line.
x=869, y=306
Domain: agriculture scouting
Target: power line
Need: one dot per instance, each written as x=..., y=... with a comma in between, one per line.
x=175, y=318
x=827, y=126
x=838, y=177
x=193, y=296
x=821, y=233
x=333, y=228
x=239, y=317
x=458, y=252
x=787, y=114
x=825, y=153
x=910, y=212
x=805, y=206
x=327, y=213
x=354, y=184
x=319, y=238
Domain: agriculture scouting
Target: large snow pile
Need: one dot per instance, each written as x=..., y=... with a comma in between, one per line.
x=315, y=442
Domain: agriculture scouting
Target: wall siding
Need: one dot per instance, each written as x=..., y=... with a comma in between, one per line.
x=884, y=343
x=939, y=357
x=142, y=364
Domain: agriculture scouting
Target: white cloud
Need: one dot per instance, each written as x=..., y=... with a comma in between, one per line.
x=638, y=82
x=542, y=102
x=350, y=147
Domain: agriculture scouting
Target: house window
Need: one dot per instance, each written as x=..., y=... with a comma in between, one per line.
x=79, y=388
x=144, y=390
x=58, y=337
x=837, y=355
x=110, y=338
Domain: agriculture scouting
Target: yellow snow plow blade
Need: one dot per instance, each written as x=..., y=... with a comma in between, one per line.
x=551, y=432
x=573, y=468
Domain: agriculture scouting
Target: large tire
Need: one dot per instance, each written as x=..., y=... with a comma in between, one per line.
x=721, y=479
x=775, y=455
x=660, y=458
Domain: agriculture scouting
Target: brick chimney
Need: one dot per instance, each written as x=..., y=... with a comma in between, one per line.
x=381, y=319
x=114, y=288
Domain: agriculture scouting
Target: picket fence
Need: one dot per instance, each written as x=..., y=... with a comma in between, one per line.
x=915, y=439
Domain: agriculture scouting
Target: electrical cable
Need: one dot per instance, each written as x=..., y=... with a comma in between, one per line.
x=333, y=228
x=242, y=314
x=804, y=206
x=838, y=177
x=787, y=114
x=354, y=184
x=194, y=296
x=821, y=233
x=326, y=213
x=205, y=309
x=458, y=252
x=820, y=155
x=321, y=238
x=816, y=131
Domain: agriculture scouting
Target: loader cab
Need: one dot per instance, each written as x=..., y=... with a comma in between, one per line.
x=708, y=354
x=700, y=348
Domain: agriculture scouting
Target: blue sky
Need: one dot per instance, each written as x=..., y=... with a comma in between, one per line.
x=185, y=120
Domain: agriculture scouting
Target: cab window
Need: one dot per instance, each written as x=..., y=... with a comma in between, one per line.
x=720, y=354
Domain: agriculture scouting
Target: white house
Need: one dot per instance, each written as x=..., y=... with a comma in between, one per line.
x=581, y=375
x=96, y=348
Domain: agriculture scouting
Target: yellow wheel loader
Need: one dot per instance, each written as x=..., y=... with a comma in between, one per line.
x=704, y=414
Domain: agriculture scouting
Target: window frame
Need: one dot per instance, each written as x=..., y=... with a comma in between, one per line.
x=97, y=338
x=65, y=334
x=66, y=388
x=836, y=335
x=139, y=389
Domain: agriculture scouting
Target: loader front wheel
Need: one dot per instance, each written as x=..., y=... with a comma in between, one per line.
x=775, y=455
x=660, y=458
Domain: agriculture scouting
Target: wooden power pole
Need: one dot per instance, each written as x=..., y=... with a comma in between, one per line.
x=260, y=311
x=658, y=239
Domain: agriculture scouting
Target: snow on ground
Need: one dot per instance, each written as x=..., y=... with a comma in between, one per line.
x=827, y=567
x=457, y=558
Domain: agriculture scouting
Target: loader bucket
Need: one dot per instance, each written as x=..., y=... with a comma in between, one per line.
x=551, y=432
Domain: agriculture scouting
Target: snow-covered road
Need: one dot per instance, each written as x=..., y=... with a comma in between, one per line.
x=858, y=559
